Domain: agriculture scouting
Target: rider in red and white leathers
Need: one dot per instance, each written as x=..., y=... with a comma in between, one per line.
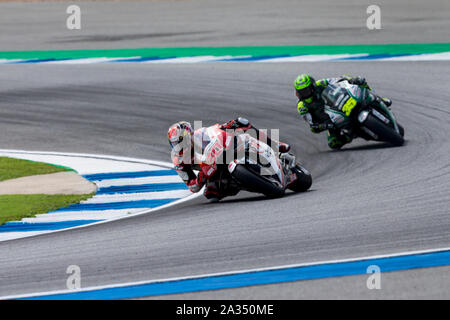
x=182, y=139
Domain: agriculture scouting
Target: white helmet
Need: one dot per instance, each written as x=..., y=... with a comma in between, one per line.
x=178, y=134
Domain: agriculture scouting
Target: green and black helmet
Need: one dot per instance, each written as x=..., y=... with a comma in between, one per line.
x=305, y=86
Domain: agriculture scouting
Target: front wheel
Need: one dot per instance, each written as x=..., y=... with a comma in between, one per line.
x=383, y=132
x=251, y=181
x=304, y=179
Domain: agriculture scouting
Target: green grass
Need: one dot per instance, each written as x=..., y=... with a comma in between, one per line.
x=11, y=168
x=18, y=206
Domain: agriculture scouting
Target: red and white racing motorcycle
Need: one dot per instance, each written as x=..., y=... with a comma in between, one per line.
x=239, y=161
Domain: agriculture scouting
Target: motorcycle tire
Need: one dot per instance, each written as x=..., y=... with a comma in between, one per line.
x=254, y=182
x=383, y=132
x=304, y=179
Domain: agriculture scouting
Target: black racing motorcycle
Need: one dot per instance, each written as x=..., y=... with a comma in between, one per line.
x=352, y=112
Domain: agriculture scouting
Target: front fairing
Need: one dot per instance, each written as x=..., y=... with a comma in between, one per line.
x=337, y=95
x=339, y=119
x=251, y=151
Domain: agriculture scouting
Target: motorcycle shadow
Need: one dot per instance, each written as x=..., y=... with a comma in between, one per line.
x=366, y=147
x=252, y=197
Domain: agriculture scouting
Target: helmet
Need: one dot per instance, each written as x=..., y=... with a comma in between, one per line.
x=179, y=134
x=305, y=86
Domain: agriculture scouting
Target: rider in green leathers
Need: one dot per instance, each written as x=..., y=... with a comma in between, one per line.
x=311, y=106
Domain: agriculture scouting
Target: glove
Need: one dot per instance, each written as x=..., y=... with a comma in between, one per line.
x=237, y=123
x=242, y=122
x=195, y=185
x=359, y=81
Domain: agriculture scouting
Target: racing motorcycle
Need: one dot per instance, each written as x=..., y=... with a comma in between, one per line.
x=239, y=161
x=347, y=106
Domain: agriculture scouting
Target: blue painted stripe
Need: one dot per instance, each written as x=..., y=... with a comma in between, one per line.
x=38, y=61
x=253, y=58
x=42, y=226
x=326, y=270
x=143, y=188
x=116, y=205
x=129, y=175
x=373, y=57
x=141, y=59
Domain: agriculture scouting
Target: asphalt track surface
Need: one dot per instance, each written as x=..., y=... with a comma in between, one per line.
x=367, y=199
x=184, y=23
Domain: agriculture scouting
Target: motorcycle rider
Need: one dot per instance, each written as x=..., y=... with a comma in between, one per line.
x=181, y=134
x=311, y=106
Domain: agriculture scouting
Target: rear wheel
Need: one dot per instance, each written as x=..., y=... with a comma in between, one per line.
x=383, y=132
x=254, y=182
x=304, y=179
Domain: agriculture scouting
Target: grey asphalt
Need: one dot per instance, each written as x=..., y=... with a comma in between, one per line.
x=175, y=23
x=367, y=199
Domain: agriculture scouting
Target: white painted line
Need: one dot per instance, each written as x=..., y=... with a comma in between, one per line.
x=110, y=198
x=137, y=181
x=83, y=215
x=312, y=58
x=92, y=157
x=84, y=165
x=443, y=56
x=198, y=59
x=4, y=236
x=8, y=61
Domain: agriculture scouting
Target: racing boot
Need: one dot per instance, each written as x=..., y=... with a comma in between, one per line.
x=347, y=135
x=336, y=139
x=213, y=199
x=211, y=193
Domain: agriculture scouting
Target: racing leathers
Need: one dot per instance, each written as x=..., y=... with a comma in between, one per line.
x=185, y=165
x=313, y=111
